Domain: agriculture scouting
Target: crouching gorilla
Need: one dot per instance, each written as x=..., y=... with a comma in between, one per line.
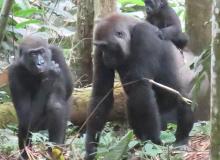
x=40, y=84
x=133, y=49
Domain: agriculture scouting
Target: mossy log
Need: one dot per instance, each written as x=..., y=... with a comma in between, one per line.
x=78, y=108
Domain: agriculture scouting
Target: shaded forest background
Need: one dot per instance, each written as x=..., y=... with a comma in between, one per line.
x=69, y=24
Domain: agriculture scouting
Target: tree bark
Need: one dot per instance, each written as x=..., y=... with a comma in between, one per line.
x=198, y=25
x=82, y=65
x=4, y=16
x=215, y=83
x=104, y=8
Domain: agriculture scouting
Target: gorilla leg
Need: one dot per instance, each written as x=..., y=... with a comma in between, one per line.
x=143, y=113
x=23, y=137
x=100, y=104
x=96, y=123
x=180, y=40
x=185, y=122
x=57, y=114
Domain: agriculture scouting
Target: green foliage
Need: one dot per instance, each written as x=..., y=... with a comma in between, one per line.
x=134, y=2
x=111, y=147
x=117, y=151
x=152, y=150
x=27, y=12
x=134, y=7
x=167, y=137
x=45, y=18
x=201, y=128
x=201, y=65
x=1, y=3
x=8, y=141
x=25, y=23
x=39, y=137
x=4, y=97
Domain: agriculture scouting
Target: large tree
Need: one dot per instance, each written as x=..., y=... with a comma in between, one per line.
x=104, y=7
x=198, y=25
x=82, y=63
x=215, y=83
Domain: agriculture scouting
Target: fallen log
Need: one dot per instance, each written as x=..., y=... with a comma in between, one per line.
x=3, y=77
x=81, y=99
x=78, y=111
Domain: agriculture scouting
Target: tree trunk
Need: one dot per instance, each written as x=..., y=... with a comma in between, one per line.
x=215, y=83
x=198, y=25
x=104, y=8
x=82, y=64
x=4, y=16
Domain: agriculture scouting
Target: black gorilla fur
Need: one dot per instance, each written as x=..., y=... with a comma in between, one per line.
x=133, y=49
x=160, y=14
x=40, y=84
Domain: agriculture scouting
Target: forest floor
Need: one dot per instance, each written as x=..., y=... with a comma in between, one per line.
x=197, y=148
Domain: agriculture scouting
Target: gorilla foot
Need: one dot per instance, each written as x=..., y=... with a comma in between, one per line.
x=181, y=142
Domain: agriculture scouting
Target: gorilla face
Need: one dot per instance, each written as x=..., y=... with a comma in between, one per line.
x=114, y=42
x=36, y=60
x=35, y=54
x=153, y=6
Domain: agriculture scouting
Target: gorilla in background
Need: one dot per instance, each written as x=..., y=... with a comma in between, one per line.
x=160, y=14
x=40, y=84
x=133, y=49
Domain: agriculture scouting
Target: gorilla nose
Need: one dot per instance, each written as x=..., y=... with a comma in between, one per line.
x=40, y=62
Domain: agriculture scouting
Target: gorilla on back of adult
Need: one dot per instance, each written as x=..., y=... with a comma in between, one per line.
x=161, y=15
x=133, y=49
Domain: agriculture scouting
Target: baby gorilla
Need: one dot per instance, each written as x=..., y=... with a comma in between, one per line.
x=160, y=14
x=133, y=49
x=40, y=84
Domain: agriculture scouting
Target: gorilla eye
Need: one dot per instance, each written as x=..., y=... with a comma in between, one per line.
x=119, y=34
x=42, y=50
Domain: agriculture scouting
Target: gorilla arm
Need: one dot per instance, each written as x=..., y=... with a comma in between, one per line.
x=22, y=103
x=172, y=22
x=101, y=103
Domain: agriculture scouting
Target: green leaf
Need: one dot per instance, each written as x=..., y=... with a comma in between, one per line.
x=135, y=2
x=167, y=137
x=117, y=151
x=133, y=143
x=27, y=12
x=23, y=24
x=1, y=3
x=152, y=150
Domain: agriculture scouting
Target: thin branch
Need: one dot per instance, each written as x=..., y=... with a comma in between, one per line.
x=169, y=89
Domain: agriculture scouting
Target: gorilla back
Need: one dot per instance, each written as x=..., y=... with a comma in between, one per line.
x=133, y=49
x=40, y=84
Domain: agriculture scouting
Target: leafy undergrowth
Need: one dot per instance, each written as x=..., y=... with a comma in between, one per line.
x=116, y=143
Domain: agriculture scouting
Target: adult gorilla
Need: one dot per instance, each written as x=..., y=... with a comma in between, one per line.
x=133, y=49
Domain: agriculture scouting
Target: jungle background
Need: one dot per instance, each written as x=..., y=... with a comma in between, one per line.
x=69, y=24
